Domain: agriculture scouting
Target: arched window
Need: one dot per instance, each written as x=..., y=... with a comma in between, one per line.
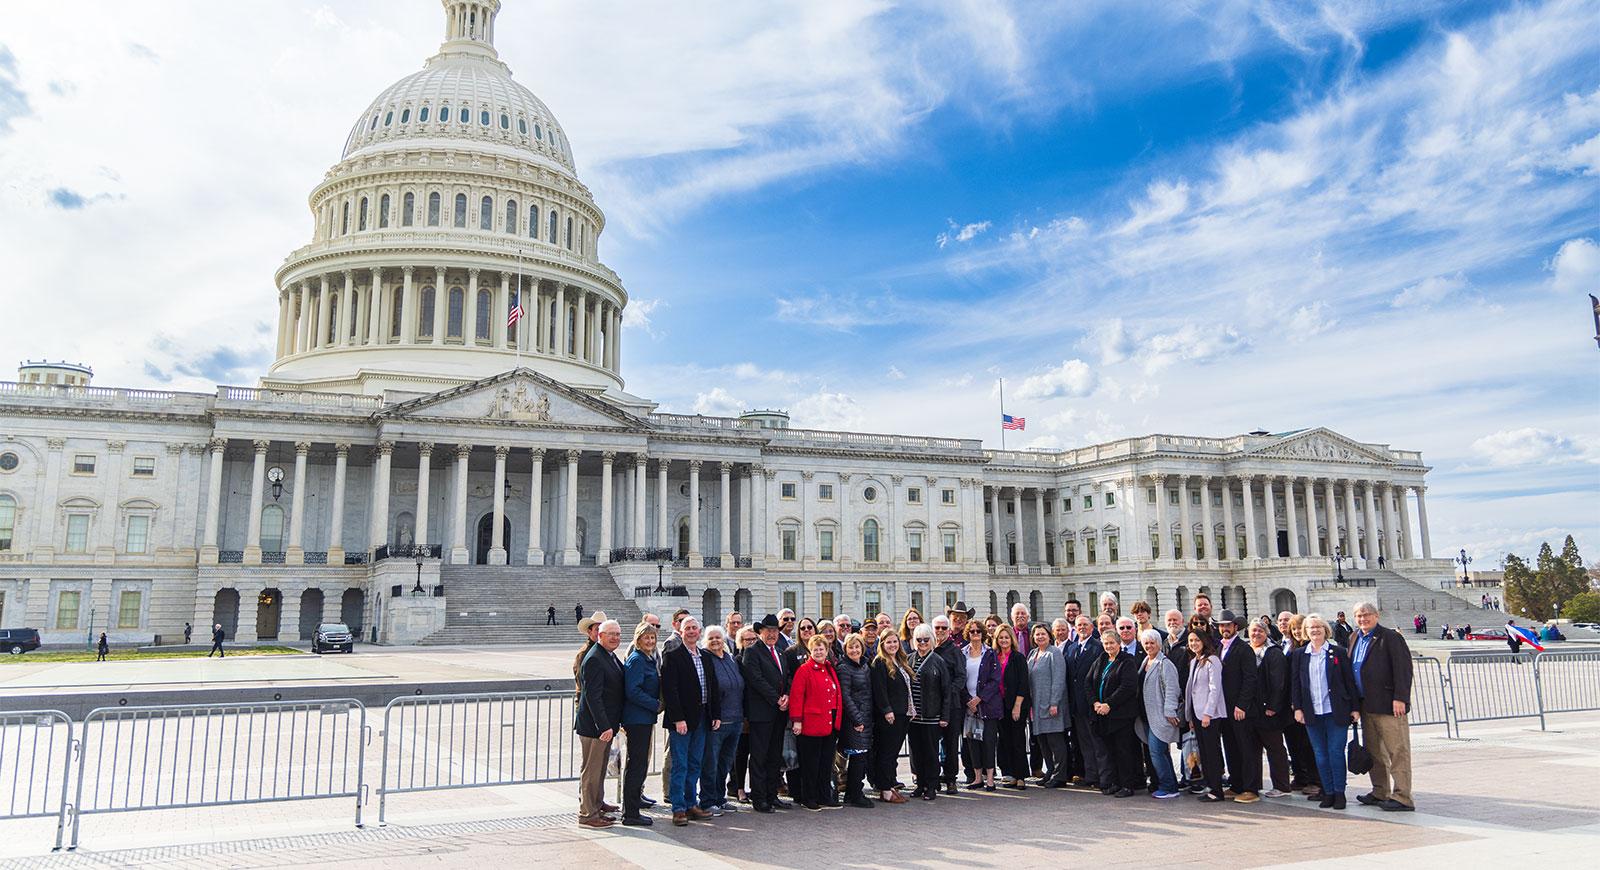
x=505, y=121
x=538, y=132
x=433, y=209
x=405, y=116
x=486, y=213
x=484, y=314
x=569, y=233
x=461, y=208
x=533, y=221
x=407, y=205
x=522, y=126
x=511, y=216
x=572, y=329
x=395, y=309
x=422, y=116
x=8, y=522
x=483, y=117
x=683, y=539
x=383, y=211
x=553, y=220
x=333, y=317
x=466, y=114
x=425, y=319
x=361, y=216
x=458, y=300
x=388, y=118
x=869, y=541
x=345, y=226
x=272, y=529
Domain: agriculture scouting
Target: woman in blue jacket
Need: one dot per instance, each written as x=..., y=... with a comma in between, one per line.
x=1325, y=700
x=641, y=707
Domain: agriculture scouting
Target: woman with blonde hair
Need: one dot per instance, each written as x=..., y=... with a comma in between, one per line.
x=641, y=707
x=1325, y=699
x=891, y=710
x=1302, y=758
x=1014, y=695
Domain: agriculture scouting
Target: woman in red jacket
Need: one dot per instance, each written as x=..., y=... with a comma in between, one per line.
x=816, y=705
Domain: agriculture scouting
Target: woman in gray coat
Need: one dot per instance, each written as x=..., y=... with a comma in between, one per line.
x=1160, y=690
x=1047, y=676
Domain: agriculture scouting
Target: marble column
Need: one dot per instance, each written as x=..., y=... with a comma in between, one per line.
x=1038, y=518
x=1163, y=548
x=570, y=554
x=1369, y=507
x=1016, y=515
x=997, y=538
x=1269, y=487
x=1185, y=524
x=640, y=481
x=1405, y=551
x=285, y=306
x=1422, y=522
x=662, y=541
x=208, y=545
x=458, y=544
x=1390, y=538
x=1205, y=545
x=375, y=308
x=440, y=303
x=695, y=558
x=424, y=473
x=602, y=554
x=1352, y=531
x=408, y=308
x=1251, y=547
x=725, y=516
x=580, y=304
x=497, y=535
x=535, y=554
x=303, y=327
x=324, y=314
x=1230, y=538
x=296, y=553
x=378, y=533
x=346, y=307
x=1293, y=521
x=804, y=542
x=1311, y=518
x=258, y=480
x=341, y=464
x=747, y=514
x=1328, y=503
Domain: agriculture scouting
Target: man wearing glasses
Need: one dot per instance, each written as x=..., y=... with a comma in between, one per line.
x=947, y=645
x=1128, y=635
x=785, y=629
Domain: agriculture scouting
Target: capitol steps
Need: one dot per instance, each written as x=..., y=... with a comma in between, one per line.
x=1400, y=599
x=492, y=604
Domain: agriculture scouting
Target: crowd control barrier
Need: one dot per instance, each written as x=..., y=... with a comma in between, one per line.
x=35, y=761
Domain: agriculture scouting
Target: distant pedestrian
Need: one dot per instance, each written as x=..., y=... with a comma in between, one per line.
x=102, y=648
x=216, y=641
x=578, y=611
x=1380, y=562
x=188, y=632
x=550, y=619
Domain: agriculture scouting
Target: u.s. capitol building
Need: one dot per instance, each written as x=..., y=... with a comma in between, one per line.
x=406, y=434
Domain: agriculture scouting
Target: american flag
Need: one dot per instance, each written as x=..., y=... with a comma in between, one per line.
x=516, y=311
x=1009, y=422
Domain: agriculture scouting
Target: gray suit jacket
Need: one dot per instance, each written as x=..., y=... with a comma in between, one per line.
x=1047, y=673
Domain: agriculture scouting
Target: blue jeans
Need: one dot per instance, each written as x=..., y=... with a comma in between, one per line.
x=1161, y=757
x=687, y=751
x=721, y=746
x=1327, y=744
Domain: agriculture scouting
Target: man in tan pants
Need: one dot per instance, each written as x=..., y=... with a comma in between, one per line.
x=1382, y=664
x=596, y=719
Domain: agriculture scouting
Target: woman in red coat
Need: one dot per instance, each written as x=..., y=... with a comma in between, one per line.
x=816, y=712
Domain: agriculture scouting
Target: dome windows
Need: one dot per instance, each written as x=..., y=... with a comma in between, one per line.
x=505, y=121
x=389, y=118
x=344, y=227
x=482, y=326
x=466, y=115
x=422, y=116
x=533, y=222
x=374, y=125
x=433, y=209
x=453, y=314
x=383, y=211
x=425, y=317
x=361, y=218
x=483, y=117
x=486, y=214
x=553, y=224
x=511, y=216
x=408, y=205
x=538, y=132
x=522, y=126
x=405, y=116
x=461, y=210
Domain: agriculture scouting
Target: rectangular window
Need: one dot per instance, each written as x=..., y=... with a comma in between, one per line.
x=1072, y=552
x=1238, y=500
x=1177, y=546
x=1088, y=551
x=827, y=605
x=1278, y=500
x=1066, y=505
x=1194, y=498
x=77, y=533
x=1199, y=546
x=1319, y=502
x=1322, y=546
x=1111, y=548
x=787, y=490
x=1111, y=499
x=874, y=604
x=788, y=545
x=947, y=496
x=67, y=609
x=825, y=492
x=1011, y=507
x=1011, y=553
x=1260, y=502
x=988, y=507
x=950, y=547
x=128, y=609
x=1172, y=496
x=988, y=551
x=916, y=546
x=1088, y=502
x=83, y=463
x=1047, y=506
x=138, y=534
x=1216, y=499
x=789, y=600
x=1151, y=495
x=1222, y=548
x=144, y=466
x=825, y=546
x=917, y=601
x=1050, y=553
x=1155, y=546
x=1242, y=548
x=950, y=597
x=914, y=494
x=1300, y=502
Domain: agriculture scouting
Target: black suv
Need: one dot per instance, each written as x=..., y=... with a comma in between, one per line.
x=333, y=635
x=19, y=640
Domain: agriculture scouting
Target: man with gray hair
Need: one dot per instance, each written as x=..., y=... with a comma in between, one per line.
x=786, y=621
x=599, y=713
x=1382, y=665
x=1109, y=604
x=841, y=626
x=948, y=647
x=693, y=709
x=1019, y=627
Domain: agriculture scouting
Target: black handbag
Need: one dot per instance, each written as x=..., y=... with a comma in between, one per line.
x=1357, y=759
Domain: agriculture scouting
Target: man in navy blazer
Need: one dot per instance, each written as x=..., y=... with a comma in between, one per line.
x=1241, y=690
x=1080, y=658
x=693, y=710
x=599, y=712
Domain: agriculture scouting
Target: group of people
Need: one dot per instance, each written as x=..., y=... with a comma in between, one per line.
x=798, y=711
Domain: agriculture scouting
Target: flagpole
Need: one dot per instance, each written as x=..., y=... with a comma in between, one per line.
x=524, y=311
x=1002, y=413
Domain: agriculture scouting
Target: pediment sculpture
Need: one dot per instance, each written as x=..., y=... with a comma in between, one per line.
x=520, y=405
x=1318, y=448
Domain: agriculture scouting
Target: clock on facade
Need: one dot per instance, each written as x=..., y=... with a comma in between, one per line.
x=275, y=474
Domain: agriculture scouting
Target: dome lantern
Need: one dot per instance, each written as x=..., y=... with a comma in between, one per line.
x=469, y=27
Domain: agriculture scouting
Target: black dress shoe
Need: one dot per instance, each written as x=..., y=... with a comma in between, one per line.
x=1106, y=790
x=781, y=804
x=990, y=787
x=930, y=794
x=950, y=788
x=1327, y=801
x=1338, y=800
x=1123, y=792
x=638, y=821
x=1368, y=800
x=763, y=808
x=1395, y=806
x=862, y=801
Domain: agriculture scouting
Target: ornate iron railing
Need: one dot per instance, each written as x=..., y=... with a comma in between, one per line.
x=317, y=558
x=425, y=551
x=641, y=554
x=230, y=557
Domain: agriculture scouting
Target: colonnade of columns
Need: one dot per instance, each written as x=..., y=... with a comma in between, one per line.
x=370, y=307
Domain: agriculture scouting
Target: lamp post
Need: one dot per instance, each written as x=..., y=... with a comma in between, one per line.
x=661, y=566
x=1463, y=560
x=1338, y=564
x=417, y=591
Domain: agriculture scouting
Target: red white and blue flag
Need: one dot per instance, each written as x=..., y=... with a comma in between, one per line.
x=1527, y=636
x=516, y=310
x=1009, y=422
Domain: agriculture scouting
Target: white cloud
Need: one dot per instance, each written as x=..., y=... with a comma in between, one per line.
x=1163, y=201
x=826, y=410
x=637, y=314
x=1313, y=319
x=960, y=233
x=1191, y=343
x=1072, y=379
x=1575, y=269
x=1112, y=341
x=1529, y=445
x=717, y=403
x=895, y=374
x=1430, y=291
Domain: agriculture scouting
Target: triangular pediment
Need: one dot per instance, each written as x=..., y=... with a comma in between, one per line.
x=1320, y=443
x=520, y=396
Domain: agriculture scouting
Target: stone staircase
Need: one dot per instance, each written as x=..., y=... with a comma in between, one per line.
x=1401, y=598
x=490, y=604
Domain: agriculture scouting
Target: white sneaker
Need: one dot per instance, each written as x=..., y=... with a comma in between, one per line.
x=1272, y=792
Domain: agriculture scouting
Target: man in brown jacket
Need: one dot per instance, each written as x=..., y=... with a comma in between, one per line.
x=1382, y=664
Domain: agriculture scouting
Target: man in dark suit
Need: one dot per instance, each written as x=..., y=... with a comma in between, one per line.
x=1080, y=657
x=766, y=702
x=693, y=710
x=599, y=711
x=1241, y=691
x=1382, y=665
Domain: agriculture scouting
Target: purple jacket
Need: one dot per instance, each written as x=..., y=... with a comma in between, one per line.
x=989, y=706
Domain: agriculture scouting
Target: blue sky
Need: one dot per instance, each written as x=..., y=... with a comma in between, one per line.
x=1197, y=218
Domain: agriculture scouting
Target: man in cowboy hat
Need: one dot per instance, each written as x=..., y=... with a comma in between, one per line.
x=766, y=700
x=959, y=615
x=1240, y=691
x=587, y=626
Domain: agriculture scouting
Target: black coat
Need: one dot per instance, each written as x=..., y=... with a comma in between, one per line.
x=680, y=688
x=1015, y=682
x=1120, y=686
x=1385, y=672
x=940, y=699
x=1080, y=658
x=1342, y=695
x=855, y=683
x=1179, y=655
x=599, y=707
x=1240, y=686
x=764, y=683
x=955, y=659
x=1272, y=678
x=793, y=658
x=890, y=694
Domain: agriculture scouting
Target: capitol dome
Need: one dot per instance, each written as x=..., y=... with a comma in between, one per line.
x=452, y=241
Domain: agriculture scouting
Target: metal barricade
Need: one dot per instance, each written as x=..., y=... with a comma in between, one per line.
x=1429, y=705
x=1485, y=686
x=141, y=758
x=1567, y=681
x=434, y=742
x=35, y=762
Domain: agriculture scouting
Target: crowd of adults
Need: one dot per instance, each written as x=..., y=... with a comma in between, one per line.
x=791, y=711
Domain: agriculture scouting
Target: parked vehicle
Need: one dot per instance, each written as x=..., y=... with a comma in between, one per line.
x=333, y=635
x=17, y=641
x=1488, y=634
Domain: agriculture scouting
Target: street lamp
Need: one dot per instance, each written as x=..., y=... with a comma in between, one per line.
x=661, y=586
x=1463, y=560
x=1338, y=563
x=418, y=591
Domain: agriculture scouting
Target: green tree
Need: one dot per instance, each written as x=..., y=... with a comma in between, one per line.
x=1526, y=593
x=1539, y=591
x=1583, y=607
